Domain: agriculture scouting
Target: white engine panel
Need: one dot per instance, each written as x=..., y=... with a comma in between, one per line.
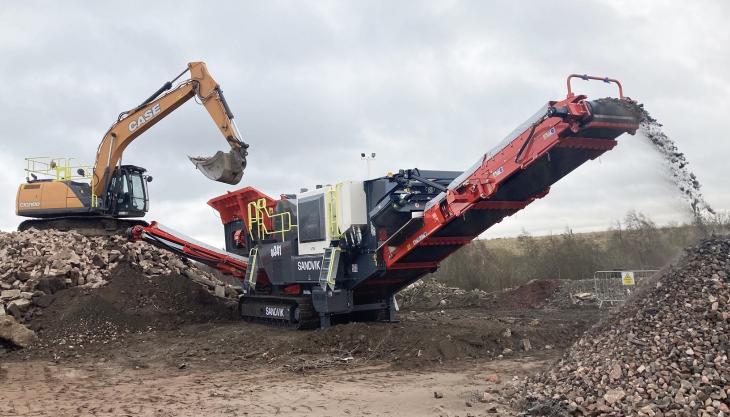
x=315, y=214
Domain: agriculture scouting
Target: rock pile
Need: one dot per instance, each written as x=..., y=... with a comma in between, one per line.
x=430, y=293
x=35, y=264
x=574, y=294
x=665, y=353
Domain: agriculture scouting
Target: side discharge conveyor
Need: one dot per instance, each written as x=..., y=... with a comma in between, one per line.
x=341, y=252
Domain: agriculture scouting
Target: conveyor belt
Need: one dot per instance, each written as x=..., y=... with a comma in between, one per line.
x=510, y=177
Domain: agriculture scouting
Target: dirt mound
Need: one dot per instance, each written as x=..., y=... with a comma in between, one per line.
x=664, y=353
x=78, y=319
x=420, y=340
x=425, y=338
x=534, y=294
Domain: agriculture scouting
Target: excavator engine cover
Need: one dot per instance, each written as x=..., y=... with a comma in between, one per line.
x=222, y=167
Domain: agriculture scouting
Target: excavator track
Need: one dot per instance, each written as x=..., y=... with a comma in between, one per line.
x=87, y=225
x=291, y=312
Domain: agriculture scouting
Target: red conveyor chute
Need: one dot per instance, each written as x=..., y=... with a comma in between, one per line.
x=190, y=248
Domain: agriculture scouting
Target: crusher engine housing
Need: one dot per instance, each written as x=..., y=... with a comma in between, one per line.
x=341, y=252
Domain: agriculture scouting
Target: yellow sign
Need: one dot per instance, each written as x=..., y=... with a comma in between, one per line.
x=627, y=277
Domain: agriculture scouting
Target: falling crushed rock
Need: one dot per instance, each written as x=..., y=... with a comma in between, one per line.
x=676, y=162
x=684, y=179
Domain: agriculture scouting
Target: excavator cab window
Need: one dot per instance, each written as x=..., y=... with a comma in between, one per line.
x=128, y=192
x=138, y=192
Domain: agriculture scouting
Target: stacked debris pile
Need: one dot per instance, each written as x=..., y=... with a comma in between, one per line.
x=664, y=353
x=36, y=264
x=430, y=293
x=576, y=293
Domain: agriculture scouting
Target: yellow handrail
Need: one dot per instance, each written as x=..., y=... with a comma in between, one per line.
x=256, y=212
x=332, y=196
x=57, y=169
x=60, y=169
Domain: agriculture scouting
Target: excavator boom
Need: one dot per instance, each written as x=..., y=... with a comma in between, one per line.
x=224, y=167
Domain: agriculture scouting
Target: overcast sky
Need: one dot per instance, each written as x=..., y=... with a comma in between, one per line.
x=423, y=84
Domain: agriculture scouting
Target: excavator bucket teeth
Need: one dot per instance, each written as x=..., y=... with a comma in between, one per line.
x=222, y=167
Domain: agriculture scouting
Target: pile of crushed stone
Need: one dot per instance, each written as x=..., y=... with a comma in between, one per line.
x=37, y=264
x=430, y=293
x=664, y=353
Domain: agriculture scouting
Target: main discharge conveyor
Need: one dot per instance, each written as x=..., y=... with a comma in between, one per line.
x=340, y=252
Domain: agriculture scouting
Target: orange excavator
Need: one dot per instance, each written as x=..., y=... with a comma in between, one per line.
x=104, y=198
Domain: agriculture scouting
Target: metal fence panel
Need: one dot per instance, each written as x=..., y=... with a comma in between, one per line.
x=615, y=287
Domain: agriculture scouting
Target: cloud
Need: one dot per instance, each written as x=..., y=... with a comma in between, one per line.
x=431, y=85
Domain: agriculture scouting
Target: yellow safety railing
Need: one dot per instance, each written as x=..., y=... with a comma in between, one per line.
x=258, y=212
x=60, y=169
x=57, y=168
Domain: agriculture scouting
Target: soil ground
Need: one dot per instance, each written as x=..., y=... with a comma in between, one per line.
x=41, y=388
x=159, y=346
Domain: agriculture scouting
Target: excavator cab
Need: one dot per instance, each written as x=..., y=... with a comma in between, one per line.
x=127, y=196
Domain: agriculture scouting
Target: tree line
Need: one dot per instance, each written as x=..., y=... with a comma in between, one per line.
x=634, y=243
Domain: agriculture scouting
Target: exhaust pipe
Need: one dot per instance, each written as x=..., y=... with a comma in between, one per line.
x=222, y=167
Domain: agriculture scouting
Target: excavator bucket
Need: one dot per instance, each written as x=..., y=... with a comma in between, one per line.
x=222, y=167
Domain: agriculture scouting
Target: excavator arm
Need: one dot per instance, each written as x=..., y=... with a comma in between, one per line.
x=224, y=167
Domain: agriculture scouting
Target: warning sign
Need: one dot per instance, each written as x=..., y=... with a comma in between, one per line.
x=627, y=277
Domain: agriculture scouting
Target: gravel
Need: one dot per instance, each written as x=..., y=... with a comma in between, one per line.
x=664, y=353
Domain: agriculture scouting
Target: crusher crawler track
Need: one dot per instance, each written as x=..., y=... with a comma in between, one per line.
x=291, y=312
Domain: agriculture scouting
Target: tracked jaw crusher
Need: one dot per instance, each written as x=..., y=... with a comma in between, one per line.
x=341, y=252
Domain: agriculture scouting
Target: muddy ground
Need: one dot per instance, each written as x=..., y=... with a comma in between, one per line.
x=160, y=346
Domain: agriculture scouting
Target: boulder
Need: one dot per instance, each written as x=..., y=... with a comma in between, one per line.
x=9, y=294
x=220, y=291
x=15, y=333
x=42, y=301
x=51, y=285
x=18, y=307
